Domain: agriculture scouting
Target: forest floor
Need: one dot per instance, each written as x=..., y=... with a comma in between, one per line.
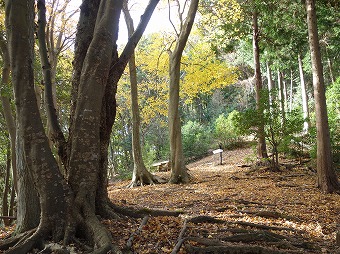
x=231, y=209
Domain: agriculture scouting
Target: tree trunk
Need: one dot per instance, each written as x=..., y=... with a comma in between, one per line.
x=92, y=119
x=304, y=97
x=54, y=131
x=270, y=82
x=261, y=142
x=179, y=172
x=33, y=148
x=281, y=96
x=291, y=91
x=327, y=178
x=140, y=174
x=6, y=105
x=7, y=188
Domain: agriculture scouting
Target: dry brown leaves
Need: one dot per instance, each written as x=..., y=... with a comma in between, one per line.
x=287, y=200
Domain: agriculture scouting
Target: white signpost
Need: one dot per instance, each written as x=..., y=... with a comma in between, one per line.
x=219, y=151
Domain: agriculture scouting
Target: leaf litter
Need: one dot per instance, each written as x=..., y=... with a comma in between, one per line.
x=228, y=208
x=279, y=211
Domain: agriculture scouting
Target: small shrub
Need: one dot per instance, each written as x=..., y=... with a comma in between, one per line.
x=226, y=132
x=196, y=139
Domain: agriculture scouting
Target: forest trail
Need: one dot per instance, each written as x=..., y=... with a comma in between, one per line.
x=228, y=207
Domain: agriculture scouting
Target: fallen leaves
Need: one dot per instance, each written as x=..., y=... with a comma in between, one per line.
x=285, y=203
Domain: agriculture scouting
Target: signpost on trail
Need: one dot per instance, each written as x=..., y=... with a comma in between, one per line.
x=219, y=151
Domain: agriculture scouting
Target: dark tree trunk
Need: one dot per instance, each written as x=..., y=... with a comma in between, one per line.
x=327, y=178
x=261, y=142
x=94, y=88
x=33, y=148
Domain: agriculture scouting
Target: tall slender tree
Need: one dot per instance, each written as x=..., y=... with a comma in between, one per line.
x=140, y=174
x=327, y=178
x=179, y=172
x=261, y=141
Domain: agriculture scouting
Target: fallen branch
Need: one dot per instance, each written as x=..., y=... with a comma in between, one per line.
x=205, y=219
x=180, y=238
x=8, y=217
x=246, y=202
x=227, y=249
x=140, y=228
x=261, y=226
x=141, y=213
x=270, y=215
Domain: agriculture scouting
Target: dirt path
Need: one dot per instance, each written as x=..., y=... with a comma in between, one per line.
x=276, y=212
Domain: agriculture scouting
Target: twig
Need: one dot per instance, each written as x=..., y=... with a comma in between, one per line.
x=180, y=238
x=129, y=241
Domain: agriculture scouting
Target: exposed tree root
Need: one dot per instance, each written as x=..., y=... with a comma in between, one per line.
x=227, y=249
x=130, y=240
x=10, y=242
x=249, y=224
x=143, y=177
x=28, y=241
x=205, y=219
x=180, y=238
x=140, y=213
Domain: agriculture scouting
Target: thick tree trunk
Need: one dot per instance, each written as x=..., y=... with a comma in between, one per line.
x=327, y=178
x=33, y=148
x=92, y=119
x=261, y=142
x=179, y=172
x=304, y=97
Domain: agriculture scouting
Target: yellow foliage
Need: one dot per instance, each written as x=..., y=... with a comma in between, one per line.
x=201, y=73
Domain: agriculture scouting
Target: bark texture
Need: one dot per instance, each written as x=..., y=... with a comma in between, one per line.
x=97, y=72
x=327, y=178
x=33, y=148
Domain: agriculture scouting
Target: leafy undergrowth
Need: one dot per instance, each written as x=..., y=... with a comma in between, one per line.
x=230, y=209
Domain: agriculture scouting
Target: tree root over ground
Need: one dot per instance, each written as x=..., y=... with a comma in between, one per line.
x=274, y=243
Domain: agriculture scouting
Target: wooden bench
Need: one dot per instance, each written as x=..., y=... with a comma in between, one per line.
x=162, y=166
